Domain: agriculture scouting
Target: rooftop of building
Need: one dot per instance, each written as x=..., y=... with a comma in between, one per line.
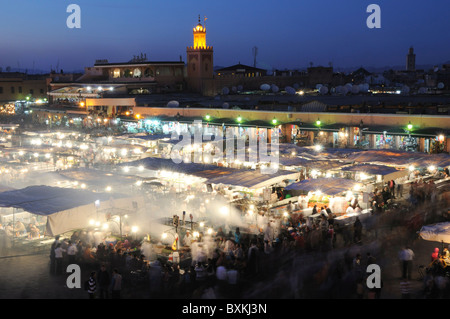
x=239, y=66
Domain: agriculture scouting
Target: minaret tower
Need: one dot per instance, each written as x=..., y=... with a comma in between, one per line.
x=411, y=60
x=199, y=60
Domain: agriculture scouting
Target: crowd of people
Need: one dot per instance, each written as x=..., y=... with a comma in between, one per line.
x=218, y=264
x=224, y=260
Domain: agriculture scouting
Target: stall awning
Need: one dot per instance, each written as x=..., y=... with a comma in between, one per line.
x=400, y=158
x=253, y=179
x=370, y=169
x=387, y=172
x=439, y=232
x=328, y=186
x=47, y=200
x=218, y=175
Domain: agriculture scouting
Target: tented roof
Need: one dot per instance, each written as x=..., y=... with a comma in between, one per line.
x=439, y=232
x=370, y=169
x=400, y=158
x=94, y=177
x=217, y=174
x=47, y=200
x=328, y=186
x=253, y=178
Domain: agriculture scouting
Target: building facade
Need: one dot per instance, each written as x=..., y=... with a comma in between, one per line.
x=16, y=86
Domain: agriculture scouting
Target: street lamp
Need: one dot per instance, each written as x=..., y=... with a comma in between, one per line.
x=410, y=126
x=134, y=230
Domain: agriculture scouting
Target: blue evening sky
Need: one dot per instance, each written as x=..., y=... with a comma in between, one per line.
x=288, y=33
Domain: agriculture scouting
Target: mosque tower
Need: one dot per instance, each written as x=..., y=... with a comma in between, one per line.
x=199, y=60
x=411, y=60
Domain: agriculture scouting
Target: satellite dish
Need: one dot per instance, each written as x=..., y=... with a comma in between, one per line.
x=225, y=105
x=440, y=85
x=318, y=86
x=345, y=90
x=225, y=91
x=265, y=87
x=323, y=90
x=274, y=88
x=366, y=87
x=405, y=89
x=355, y=89
x=234, y=89
x=422, y=90
x=173, y=104
x=289, y=90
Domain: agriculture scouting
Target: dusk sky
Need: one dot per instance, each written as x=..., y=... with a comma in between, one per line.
x=288, y=33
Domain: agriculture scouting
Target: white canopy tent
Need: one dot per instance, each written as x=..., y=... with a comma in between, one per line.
x=66, y=209
x=439, y=232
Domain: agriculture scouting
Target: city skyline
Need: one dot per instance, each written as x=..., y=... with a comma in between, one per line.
x=288, y=34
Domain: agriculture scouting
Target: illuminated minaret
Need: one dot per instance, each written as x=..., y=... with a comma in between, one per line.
x=199, y=60
x=199, y=36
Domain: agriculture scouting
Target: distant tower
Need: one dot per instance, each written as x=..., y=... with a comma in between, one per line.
x=199, y=60
x=411, y=60
x=255, y=53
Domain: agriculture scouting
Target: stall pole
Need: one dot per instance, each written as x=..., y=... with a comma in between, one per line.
x=14, y=226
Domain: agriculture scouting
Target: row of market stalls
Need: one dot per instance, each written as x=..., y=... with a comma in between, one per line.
x=64, y=208
x=304, y=175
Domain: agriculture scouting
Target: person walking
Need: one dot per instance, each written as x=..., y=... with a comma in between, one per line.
x=237, y=236
x=116, y=284
x=406, y=258
x=357, y=230
x=268, y=238
x=392, y=188
x=71, y=252
x=92, y=285
x=330, y=237
x=103, y=282
x=59, y=259
x=52, y=255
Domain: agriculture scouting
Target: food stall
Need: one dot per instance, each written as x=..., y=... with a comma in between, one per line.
x=336, y=193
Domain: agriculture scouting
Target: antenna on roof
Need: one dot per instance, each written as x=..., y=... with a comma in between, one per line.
x=255, y=53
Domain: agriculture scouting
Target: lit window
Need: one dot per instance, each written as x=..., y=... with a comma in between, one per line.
x=137, y=73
